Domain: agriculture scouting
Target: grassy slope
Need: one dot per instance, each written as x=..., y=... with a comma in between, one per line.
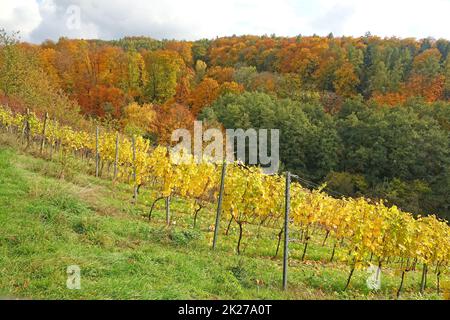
x=52, y=217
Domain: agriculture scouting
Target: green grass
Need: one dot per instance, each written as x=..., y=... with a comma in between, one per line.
x=53, y=216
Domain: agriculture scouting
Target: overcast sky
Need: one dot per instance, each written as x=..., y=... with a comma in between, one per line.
x=38, y=20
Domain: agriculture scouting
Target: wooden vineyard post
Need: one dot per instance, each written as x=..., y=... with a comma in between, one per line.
x=116, y=158
x=24, y=126
x=219, y=204
x=51, y=150
x=168, y=210
x=286, y=228
x=135, y=189
x=423, y=283
x=97, y=154
x=43, y=132
x=27, y=128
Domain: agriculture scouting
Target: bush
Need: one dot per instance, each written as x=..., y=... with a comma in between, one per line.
x=227, y=284
x=183, y=237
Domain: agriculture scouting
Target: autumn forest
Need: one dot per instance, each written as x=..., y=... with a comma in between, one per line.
x=368, y=116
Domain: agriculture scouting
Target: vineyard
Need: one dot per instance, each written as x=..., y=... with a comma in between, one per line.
x=359, y=232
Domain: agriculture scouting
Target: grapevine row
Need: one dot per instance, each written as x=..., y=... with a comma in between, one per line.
x=366, y=230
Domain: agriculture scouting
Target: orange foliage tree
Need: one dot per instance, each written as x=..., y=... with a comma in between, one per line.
x=426, y=79
x=171, y=116
x=204, y=94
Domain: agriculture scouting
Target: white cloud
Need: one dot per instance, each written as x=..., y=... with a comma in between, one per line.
x=169, y=19
x=106, y=19
x=19, y=15
x=401, y=18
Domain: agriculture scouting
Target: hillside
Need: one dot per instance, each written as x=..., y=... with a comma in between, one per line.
x=57, y=214
x=368, y=116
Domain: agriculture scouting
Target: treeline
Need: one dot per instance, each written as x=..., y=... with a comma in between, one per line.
x=366, y=115
x=104, y=76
